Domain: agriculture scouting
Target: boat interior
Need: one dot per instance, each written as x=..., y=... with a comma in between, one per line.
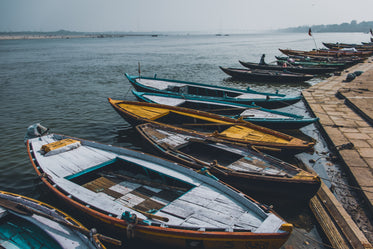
x=184, y=88
x=114, y=183
x=234, y=111
x=234, y=158
x=133, y=185
x=17, y=232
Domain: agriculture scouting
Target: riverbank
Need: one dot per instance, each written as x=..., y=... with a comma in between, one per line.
x=346, y=119
x=43, y=36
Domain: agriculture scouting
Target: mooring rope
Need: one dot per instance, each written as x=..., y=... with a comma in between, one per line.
x=345, y=186
x=314, y=240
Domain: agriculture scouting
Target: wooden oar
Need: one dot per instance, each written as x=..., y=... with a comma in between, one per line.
x=24, y=210
x=208, y=124
x=214, y=164
x=151, y=216
x=231, y=109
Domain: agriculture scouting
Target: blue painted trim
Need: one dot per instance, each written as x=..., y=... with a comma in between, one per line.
x=70, y=177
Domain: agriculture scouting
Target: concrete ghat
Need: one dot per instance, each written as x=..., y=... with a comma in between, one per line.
x=345, y=110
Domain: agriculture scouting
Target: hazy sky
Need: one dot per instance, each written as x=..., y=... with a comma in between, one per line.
x=177, y=15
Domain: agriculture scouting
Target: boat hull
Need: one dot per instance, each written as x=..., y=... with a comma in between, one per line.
x=210, y=241
x=267, y=76
x=287, y=188
x=258, y=115
x=330, y=53
x=239, y=133
x=295, y=69
x=268, y=100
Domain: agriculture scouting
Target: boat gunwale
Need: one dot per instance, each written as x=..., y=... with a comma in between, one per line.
x=132, y=79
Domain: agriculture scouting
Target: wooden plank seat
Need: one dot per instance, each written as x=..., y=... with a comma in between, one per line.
x=132, y=195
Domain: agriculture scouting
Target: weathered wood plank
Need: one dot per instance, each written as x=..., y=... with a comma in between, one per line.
x=344, y=221
x=269, y=224
x=94, y=199
x=130, y=200
x=65, y=164
x=331, y=231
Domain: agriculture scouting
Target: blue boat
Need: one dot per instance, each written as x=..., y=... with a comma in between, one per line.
x=213, y=92
x=252, y=113
x=28, y=224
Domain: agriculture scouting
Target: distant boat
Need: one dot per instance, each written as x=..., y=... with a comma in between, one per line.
x=290, y=68
x=338, y=46
x=266, y=75
x=304, y=63
x=252, y=113
x=240, y=166
x=214, y=125
x=220, y=93
x=26, y=223
x=343, y=62
x=327, y=52
x=152, y=199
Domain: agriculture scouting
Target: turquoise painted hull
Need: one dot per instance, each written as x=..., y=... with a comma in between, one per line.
x=215, y=93
x=19, y=233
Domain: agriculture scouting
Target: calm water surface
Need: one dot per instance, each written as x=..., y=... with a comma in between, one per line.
x=64, y=84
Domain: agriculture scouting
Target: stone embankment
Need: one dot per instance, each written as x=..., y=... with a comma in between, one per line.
x=345, y=109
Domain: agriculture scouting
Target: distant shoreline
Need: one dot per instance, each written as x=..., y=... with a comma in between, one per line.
x=32, y=37
x=35, y=37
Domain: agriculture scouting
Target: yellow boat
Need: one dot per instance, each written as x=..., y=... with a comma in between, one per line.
x=218, y=127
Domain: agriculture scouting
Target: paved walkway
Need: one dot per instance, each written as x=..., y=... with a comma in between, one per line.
x=345, y=110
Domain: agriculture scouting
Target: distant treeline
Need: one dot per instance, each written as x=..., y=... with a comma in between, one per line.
x=353, y=26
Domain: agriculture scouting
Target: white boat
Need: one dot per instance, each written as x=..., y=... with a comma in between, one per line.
x=151, y=198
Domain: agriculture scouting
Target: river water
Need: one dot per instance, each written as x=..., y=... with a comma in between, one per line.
x=64, y=84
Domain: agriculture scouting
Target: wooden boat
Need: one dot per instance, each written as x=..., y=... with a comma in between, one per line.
x=324, y=64
x=343, y=62
x=367, y=43
x=359, y=47
x=290, y=68
x=236, y=130
x=266, y=75
x=248, y=96
x=29, y=223
x=151, y=199
x=251, y=113
x=244, y=168
x=327, y=52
